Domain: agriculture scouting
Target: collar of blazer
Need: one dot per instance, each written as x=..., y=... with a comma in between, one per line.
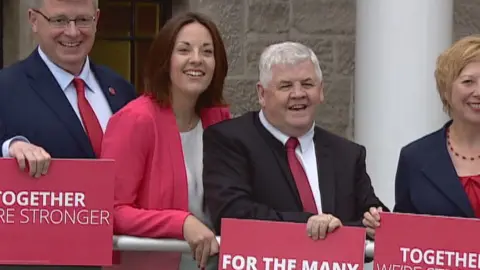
x=437, y=166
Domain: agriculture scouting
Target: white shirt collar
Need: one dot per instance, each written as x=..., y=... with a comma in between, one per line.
x=305, y=140
x=63, y=77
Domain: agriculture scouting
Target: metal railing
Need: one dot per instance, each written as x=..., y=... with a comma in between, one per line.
x=130, y=243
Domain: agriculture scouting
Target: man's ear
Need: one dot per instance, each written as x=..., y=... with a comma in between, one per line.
x=97, y=17
x=32, y=18
x=261, y=94
x=322, y=92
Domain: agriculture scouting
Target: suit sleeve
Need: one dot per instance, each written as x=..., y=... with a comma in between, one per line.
x=403, y=203
x=364, y=193
x=3, y=135
x=6, y=139
x=128, y=141
x=228, y=184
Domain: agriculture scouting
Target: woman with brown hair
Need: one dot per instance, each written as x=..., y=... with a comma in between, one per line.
x=156, y=141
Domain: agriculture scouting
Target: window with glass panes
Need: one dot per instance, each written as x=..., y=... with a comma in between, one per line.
x=125, y=31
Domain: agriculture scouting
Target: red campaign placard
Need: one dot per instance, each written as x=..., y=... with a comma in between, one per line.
x=421, y=242
x=62, y=218
x=267, y=245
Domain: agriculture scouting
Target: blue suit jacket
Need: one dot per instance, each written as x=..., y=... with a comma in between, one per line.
x=33, y=105
x=426, y=180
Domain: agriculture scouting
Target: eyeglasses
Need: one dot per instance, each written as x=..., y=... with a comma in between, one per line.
x=64, y=21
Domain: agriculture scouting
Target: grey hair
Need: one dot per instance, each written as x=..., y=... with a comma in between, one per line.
x=285, y=53
x=36, y=4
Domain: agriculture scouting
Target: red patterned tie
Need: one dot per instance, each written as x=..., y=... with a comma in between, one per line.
x=89, y=119
x=300, y=177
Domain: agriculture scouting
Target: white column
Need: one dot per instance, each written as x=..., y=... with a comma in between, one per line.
x=396, y=100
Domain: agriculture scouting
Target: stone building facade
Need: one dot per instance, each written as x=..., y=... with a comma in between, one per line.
x=328, y=26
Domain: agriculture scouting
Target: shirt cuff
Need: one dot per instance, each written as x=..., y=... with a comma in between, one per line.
x=6, y=145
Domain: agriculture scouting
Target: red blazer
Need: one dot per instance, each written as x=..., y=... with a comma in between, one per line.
x=151, y=193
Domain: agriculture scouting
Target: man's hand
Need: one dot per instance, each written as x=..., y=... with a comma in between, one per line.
x=201, y=239
x=319, y=225
x=371, y=220
x=38, y=159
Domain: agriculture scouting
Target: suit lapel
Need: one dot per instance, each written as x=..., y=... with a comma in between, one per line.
x=47, y=88
x=108, y=87
x=440, y=171
x=280, y=154
x=326, y=173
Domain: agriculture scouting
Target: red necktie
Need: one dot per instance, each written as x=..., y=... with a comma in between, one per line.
x=89, y=119
x=300, y=177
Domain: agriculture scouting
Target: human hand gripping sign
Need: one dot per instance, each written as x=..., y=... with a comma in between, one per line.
x=319, y=225
x=371, y=220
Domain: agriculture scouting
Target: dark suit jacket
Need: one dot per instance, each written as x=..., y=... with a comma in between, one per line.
x=33, y=105
x=246, y=175
x=426, y=180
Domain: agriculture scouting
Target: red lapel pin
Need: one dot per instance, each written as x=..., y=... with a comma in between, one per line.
x=112, y=91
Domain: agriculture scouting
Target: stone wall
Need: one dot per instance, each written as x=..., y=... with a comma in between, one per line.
x=18, y=41
x=328, y=26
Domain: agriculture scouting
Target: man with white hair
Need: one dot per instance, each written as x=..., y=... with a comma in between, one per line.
x=277, y=165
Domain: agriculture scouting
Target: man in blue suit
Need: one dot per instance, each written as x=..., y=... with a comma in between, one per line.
x=56, y=103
